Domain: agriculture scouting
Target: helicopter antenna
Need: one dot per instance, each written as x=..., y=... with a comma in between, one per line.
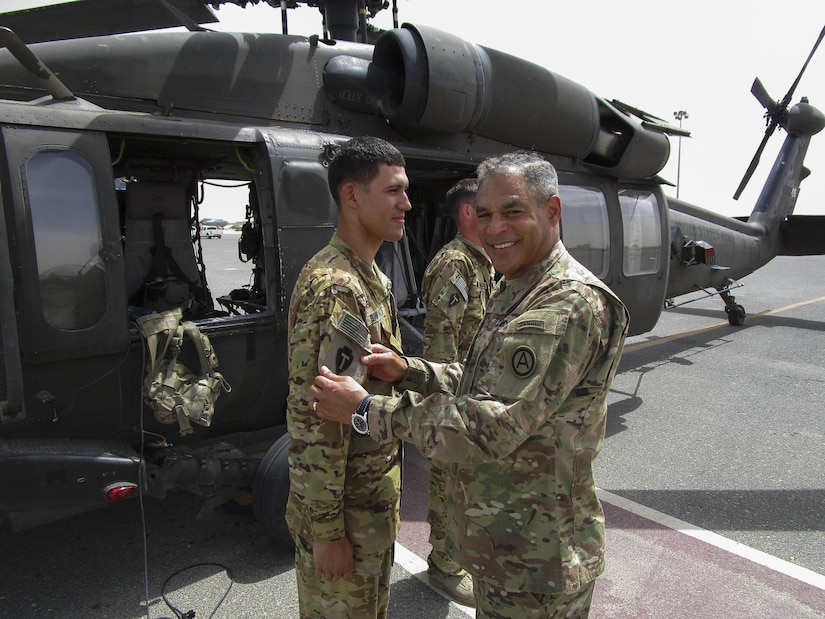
x=190, y=24
x=776, y=114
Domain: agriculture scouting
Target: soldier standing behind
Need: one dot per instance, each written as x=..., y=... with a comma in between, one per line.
x=456, y=286
x=344, y=488
x=524, y=418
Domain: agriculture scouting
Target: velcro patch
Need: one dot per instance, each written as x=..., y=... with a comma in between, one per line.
x=353, y=328
x=530, y=323
x=523, y=361
x=376, y=315
x=349, y=341
x=461, y=284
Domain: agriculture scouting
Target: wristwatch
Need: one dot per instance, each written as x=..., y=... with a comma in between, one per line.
x=359, y=417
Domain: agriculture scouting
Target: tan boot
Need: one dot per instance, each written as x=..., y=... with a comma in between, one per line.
x=458, y=587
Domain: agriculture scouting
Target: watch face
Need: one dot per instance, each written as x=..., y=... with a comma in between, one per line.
x=359, y=423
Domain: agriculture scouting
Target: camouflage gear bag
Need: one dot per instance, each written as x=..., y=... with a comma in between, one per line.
x=171, y=389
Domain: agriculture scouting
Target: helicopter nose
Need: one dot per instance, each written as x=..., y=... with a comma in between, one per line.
x=805, y=119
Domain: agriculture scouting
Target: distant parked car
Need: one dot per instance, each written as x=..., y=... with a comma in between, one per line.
x=209, y=232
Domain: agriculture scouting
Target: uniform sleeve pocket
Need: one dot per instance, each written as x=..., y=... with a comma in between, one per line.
x=530, y=343
x=349, y=339
x=452, y=298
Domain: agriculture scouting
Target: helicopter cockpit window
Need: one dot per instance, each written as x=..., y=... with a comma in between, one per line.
x=642, y=235
x=67, y=237
x=584, y=226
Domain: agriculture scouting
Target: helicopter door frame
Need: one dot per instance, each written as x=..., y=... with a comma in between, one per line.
x=65, y=243
x=305, y=215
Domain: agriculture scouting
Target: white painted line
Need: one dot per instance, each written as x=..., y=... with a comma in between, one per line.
x=417, y=567
x=757, y=556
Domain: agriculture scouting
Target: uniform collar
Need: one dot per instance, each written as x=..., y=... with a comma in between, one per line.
x=515, y=287
x=476, y=249
x=368, y=272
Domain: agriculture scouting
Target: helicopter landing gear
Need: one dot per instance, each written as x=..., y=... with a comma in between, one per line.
x=736, y=313
x=270, y=493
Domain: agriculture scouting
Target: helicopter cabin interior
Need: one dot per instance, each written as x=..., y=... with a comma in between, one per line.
x=160, y=184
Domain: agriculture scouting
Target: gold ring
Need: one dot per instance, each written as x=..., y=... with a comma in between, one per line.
x=315, y=406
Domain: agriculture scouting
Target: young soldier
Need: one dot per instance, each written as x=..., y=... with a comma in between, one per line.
x=344, y=487
x=524, y=418
x=456, y=286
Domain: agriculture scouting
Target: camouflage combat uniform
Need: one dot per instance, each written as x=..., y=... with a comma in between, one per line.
x=456, y=287
x=340, y=483
x=525, y=423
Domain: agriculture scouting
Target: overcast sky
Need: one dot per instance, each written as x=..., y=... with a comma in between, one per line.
x=657, y=55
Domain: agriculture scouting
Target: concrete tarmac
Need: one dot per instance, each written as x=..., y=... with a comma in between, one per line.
x=711, y=478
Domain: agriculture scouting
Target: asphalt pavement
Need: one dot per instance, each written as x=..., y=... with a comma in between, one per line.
x=711, y=477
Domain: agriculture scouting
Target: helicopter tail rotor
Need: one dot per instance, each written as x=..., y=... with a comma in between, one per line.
x=776, y=113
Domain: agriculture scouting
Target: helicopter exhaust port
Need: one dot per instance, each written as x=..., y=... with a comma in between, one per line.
x=436, y=81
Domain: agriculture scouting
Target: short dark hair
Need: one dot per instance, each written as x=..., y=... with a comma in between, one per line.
x=357, y=160
x=463, y=190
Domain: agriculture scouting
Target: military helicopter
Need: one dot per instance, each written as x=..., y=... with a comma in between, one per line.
x=108, y=142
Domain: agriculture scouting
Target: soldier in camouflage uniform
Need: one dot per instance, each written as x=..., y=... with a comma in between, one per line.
x=344, y=487
x=524, y=418
x=456, y=286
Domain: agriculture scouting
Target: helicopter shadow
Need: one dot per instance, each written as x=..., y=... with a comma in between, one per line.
x=647, y=356
x=92, y=565
x=761, y=320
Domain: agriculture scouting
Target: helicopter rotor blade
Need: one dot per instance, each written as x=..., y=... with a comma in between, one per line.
x=777, y=113
x=787, y=99
x=761, y=94
x=755, y=161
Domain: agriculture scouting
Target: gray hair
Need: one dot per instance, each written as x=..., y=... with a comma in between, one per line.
x=540, y=175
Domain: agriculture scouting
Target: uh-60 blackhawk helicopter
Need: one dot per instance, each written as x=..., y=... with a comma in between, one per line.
x=108, y=143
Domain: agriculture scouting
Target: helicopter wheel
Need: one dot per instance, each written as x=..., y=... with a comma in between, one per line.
x=736, y=315
x=270, y=492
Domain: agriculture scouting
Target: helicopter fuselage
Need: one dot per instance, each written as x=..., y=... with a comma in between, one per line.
x=89, y=183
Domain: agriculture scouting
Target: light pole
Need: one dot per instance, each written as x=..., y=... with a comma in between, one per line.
x=679, y=115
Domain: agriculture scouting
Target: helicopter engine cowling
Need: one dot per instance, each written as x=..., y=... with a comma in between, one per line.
x=426, y=81
x=436, y=81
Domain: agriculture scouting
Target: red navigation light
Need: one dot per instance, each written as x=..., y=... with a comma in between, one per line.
x=120, y=490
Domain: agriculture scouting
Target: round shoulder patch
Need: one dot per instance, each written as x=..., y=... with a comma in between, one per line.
x=523, y=361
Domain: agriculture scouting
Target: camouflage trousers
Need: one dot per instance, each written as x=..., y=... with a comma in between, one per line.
x=360, y=597
x=494, y=603
x=437, y=517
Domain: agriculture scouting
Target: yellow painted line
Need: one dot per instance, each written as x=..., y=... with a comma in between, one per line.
x=679, y=336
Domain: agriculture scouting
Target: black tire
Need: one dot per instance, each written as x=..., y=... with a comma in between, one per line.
x=270, y=492
x=736, y=316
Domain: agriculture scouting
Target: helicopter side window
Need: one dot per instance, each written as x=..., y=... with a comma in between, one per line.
x=641, y=227
x=65, y=219
x=584, y=226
